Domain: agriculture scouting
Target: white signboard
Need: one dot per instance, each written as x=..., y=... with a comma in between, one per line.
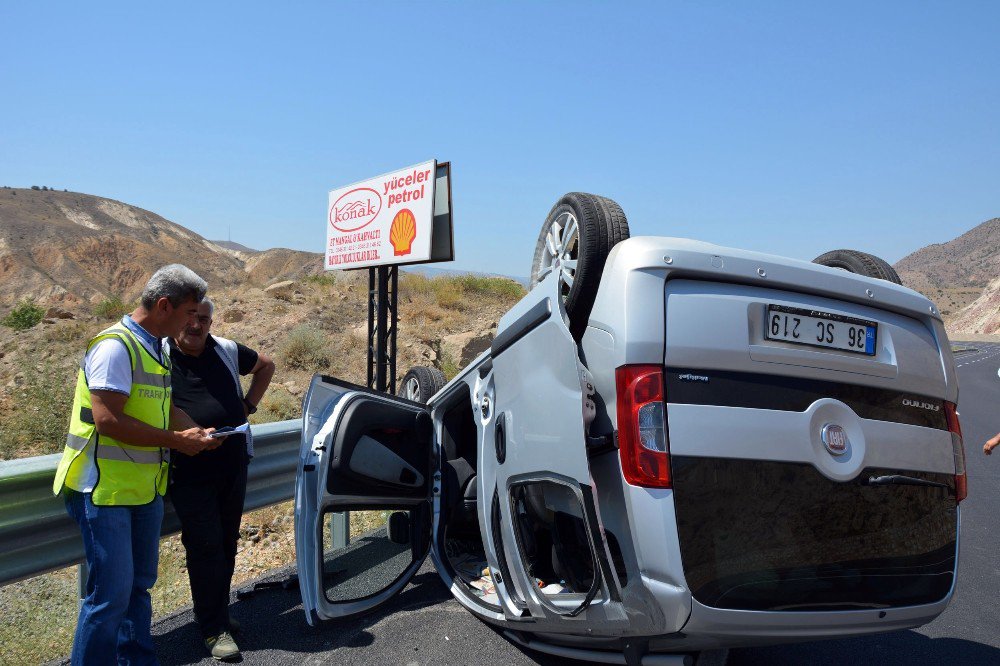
x=382, y=221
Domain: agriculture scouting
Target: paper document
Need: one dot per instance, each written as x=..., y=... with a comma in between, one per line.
x=228, y=430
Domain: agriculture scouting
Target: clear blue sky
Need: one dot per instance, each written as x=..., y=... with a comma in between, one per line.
x=786, y=127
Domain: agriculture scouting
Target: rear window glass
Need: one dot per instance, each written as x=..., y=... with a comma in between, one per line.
x=763, y=535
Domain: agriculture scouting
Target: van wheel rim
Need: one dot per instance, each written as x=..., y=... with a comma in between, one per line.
x=413, y=389
x=562, y=242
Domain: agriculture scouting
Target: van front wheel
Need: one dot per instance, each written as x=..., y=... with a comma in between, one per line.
x=576, y=238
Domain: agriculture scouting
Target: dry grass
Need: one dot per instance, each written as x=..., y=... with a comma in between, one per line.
x=35, y=411
x=460, y=292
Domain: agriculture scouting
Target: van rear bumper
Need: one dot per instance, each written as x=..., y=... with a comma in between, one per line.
x=734, y=627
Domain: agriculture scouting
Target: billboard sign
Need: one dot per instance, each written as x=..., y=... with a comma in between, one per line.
x=388, y=220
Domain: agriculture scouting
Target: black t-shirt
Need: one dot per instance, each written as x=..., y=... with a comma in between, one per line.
x=204, y=387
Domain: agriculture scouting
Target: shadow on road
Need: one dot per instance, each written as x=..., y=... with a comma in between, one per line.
x=273, y=621
x=411, y=628
x=898, y=647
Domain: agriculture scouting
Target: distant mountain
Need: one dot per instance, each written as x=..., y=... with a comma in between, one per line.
x=970, y=261
x=236, y=247
x=77, y=249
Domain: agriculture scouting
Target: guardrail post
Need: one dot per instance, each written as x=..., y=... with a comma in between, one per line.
x=340, y=529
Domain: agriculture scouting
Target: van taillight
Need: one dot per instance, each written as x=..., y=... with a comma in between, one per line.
x=642, y=426
x=958, y=448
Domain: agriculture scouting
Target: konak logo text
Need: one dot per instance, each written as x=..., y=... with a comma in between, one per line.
x=355, y=209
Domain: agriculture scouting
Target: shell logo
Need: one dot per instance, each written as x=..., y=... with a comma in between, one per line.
x=402, y=231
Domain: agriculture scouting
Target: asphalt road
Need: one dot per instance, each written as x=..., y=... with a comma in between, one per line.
x=424, y=625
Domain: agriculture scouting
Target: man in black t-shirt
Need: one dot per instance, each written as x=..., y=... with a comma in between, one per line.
x=208, y=490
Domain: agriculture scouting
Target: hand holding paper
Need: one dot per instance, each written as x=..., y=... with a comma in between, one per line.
x=229, y=430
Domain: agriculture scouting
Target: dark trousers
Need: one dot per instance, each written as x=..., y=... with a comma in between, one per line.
x=210, y=512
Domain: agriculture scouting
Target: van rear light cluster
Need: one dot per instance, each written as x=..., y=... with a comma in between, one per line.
x=958, y=449
x=642, y=425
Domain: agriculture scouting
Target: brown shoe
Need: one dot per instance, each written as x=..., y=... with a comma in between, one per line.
x=222, y=647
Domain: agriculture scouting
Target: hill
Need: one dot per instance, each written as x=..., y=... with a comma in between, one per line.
x=236, y=247
x=955, y=274
x=970, y=261
x=76, y=250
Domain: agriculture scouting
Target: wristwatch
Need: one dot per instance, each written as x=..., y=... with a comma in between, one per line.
x=251, y=408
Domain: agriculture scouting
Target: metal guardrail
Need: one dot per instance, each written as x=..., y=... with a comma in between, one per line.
x=37, y=535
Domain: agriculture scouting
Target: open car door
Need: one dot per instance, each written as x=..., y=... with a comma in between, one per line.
x=538, y=504
x=368, y=454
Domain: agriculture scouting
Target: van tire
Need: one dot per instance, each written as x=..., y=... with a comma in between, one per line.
x=601, y=224
x=421, y=382
x=861, y=263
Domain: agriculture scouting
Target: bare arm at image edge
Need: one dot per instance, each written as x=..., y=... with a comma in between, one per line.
x=991, y=443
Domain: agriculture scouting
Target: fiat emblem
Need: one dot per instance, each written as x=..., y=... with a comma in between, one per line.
x=834, y=439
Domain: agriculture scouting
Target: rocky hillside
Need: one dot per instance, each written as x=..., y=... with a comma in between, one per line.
x=76, y=250
x=970, y=261
x=982, y=316
x=957, y=276
x=76, y=254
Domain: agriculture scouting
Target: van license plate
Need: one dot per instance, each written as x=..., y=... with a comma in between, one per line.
x=820, y=329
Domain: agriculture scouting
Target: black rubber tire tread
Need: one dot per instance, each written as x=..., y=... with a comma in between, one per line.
x=430, y=380
x=602, y=225
x=859, y=262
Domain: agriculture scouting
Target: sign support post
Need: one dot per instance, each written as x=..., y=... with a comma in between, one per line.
x=383, y=291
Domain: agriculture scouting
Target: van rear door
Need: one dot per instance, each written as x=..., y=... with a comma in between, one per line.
x=807, y=475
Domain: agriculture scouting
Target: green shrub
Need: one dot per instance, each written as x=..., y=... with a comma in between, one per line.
x=24, y=315
x=306, y=348
x=112, y=308
x=448, y=366
x=321, y=279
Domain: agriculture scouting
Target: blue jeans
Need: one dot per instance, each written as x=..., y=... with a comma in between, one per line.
x=122, y=544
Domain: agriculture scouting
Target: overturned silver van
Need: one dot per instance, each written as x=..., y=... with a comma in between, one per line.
x=670, y=447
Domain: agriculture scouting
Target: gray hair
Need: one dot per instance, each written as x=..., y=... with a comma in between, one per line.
x=175, y=282
x=211, y=306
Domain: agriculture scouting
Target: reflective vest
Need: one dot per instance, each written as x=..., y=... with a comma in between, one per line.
x=127, y=475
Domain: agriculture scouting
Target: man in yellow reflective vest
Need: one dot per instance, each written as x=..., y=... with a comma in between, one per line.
x=113, y=471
